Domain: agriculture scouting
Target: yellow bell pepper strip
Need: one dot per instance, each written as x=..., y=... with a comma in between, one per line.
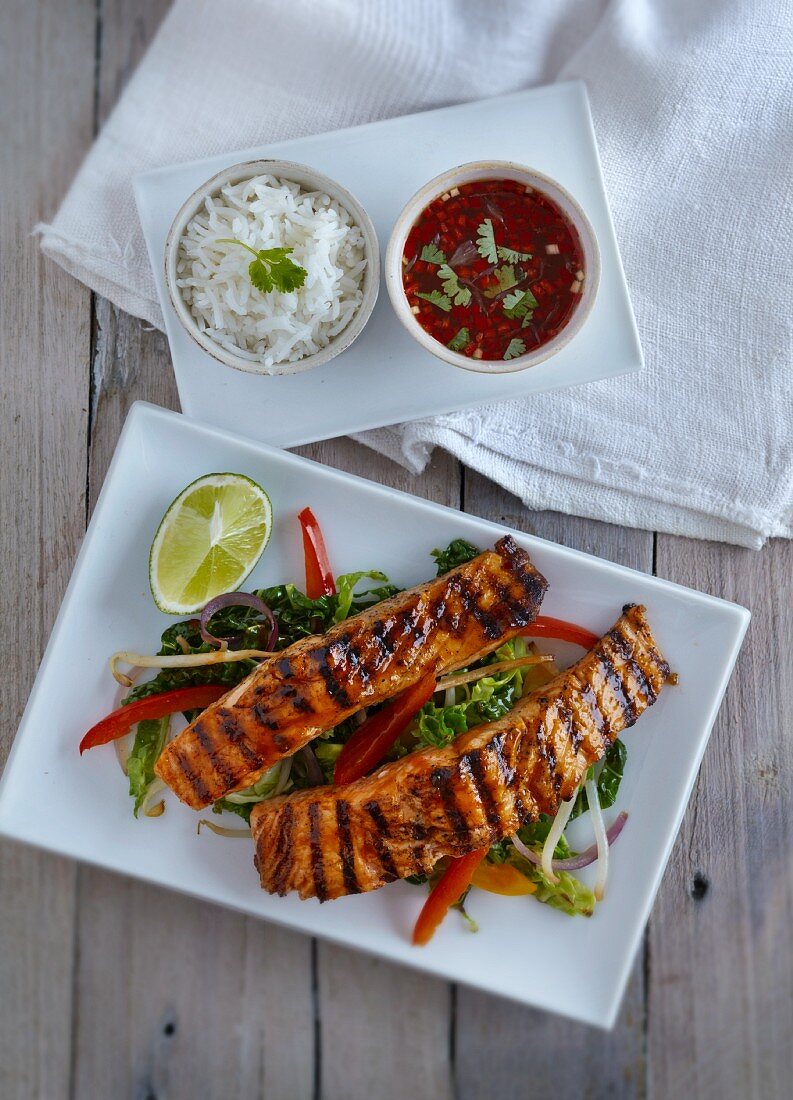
x=502, y=878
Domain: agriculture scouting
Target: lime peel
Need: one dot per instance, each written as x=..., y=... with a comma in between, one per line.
x=208, y=541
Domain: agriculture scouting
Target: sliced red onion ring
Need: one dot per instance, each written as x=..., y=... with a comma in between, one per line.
x=237, y=599
x=314, y=772
x=493, y=210
x=573, y=863
x=465, y=254
x=476, y=292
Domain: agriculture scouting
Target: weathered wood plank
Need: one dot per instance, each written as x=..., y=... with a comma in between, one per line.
x=46, y=107
x=200, y=1002
x=203, y=1002
x=130, y=361
x=721, y=951
x=384, y=1030
x=503, y=1049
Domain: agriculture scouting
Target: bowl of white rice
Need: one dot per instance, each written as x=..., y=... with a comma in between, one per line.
x=249, y=210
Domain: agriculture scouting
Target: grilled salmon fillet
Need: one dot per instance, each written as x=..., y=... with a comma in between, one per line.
x=332, y=841
x=295, y=695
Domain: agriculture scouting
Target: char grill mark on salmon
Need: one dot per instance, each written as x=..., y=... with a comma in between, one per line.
x=316, y=683
x=447, y=802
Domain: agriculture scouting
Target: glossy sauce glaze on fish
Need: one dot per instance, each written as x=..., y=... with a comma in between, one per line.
x=332, y=841
x=316, y=683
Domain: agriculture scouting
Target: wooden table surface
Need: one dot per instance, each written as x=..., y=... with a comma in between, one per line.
x=111, y=988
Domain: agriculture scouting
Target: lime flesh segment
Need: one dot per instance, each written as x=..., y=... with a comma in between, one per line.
x=208, y=542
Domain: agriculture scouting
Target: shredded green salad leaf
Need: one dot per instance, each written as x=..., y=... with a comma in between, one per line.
x=150, y=740
x=473, y=704
x=568, y=895
x=242, y=802
x=345, y=591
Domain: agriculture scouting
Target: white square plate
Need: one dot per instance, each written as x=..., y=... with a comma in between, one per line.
x=386, y=377
x=82, y=808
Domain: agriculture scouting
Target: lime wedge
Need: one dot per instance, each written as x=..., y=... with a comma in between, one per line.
x=208, y=541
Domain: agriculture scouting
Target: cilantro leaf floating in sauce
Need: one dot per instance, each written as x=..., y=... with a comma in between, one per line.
x=493, y=269
x=432, y=255
x=442, y=301
x=461, y=341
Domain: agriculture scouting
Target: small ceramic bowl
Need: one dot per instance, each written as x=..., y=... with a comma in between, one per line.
x=310, y=180
x=467, y=173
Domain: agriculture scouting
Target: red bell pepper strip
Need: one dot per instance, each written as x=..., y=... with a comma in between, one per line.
x=448, y=890
x=372, y=740
x=545, y=627
x=319, y=578
x=121, y=721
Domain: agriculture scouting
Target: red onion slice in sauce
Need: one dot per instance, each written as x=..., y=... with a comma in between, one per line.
x=464, y=254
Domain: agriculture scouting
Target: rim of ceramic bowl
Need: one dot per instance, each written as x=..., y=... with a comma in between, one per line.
x=467, y=173
x=312, y=180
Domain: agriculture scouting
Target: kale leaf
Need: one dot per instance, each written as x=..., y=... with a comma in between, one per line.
x=458, y=552
x=608, y=779
x=242, y=623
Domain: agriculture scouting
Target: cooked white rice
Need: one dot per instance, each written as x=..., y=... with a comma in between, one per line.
x=266, y=212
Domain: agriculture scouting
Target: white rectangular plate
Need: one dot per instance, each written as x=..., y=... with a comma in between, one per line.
x=523, y=950
x=386, y=377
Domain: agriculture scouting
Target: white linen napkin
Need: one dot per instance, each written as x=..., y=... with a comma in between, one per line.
x=692, y=105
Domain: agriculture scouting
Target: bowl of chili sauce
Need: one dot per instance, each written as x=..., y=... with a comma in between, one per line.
x=492, y=267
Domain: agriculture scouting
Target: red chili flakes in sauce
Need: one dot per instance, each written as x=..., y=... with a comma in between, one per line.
x=483, y=300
